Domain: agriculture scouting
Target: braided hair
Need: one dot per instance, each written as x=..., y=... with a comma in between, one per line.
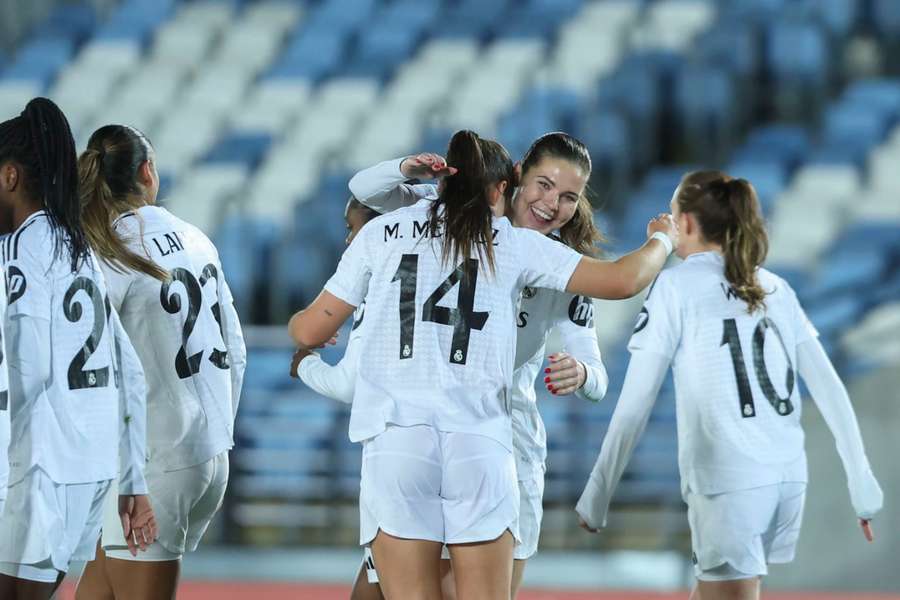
x=41, y=142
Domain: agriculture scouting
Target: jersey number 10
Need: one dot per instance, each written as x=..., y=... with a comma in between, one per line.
x=782, y=406
x=463, y=318
x=188, y=365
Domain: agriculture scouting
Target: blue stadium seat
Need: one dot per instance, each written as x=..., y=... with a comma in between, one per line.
x=380, y=49
x=788, y=143
x=135, y=19
x=839, y=16
x=704, y=105
x=340, y=16
x=311, y=54
x=886, y=17
x=246, y=148
x=40, y=59
x=769, y=178
x=75, y=22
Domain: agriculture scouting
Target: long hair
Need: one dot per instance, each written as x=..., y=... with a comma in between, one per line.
x=108, y=186
x=580, y=233
x=461, y=213
x=41, y=142
x=728, y=213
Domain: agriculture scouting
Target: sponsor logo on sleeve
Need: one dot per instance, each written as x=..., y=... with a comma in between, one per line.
x=581, y=311
x=15, y=284
x=642, y=319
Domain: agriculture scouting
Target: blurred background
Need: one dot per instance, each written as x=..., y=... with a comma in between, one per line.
x=260, y=111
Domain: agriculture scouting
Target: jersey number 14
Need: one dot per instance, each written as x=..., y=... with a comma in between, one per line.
x=464, y=318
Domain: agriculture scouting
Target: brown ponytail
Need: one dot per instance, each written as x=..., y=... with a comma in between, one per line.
x=462, y=213
x=108, y=187
x=727, y=211
x=580, y=233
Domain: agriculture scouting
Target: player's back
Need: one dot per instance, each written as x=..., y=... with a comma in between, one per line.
x=440, y=337
x=65, y=426
x=176, y=330
x=735, y=378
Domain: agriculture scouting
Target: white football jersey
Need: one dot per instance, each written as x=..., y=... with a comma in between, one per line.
x=382, y=188
x=4, y=397
x=66, y=423
x=337, y=381
x=440, y=341
x=187, y=335
x=540, y=311
x=736, y=388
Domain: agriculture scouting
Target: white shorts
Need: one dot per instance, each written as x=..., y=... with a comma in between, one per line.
x=531, y=513
x=736, y=534
x=184, y=502
x=46, y=525
x=369, y=564
x=420, y=483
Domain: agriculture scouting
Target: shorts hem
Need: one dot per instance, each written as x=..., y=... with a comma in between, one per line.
x=394, y=533
x=487, y=537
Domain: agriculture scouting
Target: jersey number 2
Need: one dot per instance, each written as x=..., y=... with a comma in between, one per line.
x=783, y=406
x=463, y=318
x=79, y=377
x=185, y=365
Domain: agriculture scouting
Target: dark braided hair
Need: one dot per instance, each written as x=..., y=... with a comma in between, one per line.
x=41, y=142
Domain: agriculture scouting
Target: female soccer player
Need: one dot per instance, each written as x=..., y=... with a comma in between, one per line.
x=68, y=411
x=166, y=281
x=551, y=197
x=432, y=403
x=736, y=336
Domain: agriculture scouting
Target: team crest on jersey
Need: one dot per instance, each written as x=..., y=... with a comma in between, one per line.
x=581, y=311
x=528, y=292
x=15, y=284
x=358, y=315
x=642, y=319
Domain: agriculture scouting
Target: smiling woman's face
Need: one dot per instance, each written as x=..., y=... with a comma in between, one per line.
x=548, y=195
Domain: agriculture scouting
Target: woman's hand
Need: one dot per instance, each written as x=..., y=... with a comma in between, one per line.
x=298, y=357
x=664, y=223
x=565, y=374
x=426, y=166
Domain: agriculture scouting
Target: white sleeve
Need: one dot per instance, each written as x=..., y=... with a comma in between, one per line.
x=28, y=355
x=658, y=327
x=546, y=263
x=132, y=412
x=350, y=281
x=831, y=397
x=233, y=337
x=580, y=340
x=337, y=382
x=382, y=187
x=645, y=375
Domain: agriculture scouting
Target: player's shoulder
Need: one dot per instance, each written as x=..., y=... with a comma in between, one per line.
x=775, y=286
x=31, y=243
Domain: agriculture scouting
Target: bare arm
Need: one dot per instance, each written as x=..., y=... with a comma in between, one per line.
x=627, y=276
x=316, y=324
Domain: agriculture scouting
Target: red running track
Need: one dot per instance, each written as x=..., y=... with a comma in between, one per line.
x=195, y=590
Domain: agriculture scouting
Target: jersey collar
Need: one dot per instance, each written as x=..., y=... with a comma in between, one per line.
x=31, y=217
x=709, y=255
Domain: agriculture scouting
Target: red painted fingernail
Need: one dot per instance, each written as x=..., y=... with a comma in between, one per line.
x=546, y=370
x=554, y=392
x=546, y=380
